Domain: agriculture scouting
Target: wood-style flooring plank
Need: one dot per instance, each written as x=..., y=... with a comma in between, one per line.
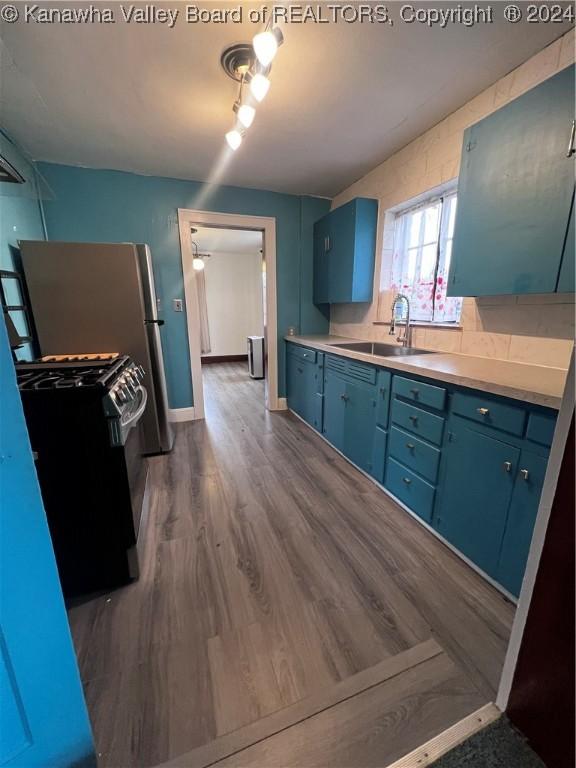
x=265, y=546
x=305, y=708
x=372, y=728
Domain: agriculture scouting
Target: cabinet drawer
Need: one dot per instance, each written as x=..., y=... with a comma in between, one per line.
x=490, y=412
x=416, y=493
x=417, y=421
x=541, y=428
x=414, y=453
x=418, y=392
x=303, y=353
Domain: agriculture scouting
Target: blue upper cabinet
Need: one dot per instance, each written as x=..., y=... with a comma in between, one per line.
x=566, y=277
x=514, y=196
x=344, y=252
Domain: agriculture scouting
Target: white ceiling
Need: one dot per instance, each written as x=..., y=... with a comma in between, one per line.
x=154, y=100
x=240, y=241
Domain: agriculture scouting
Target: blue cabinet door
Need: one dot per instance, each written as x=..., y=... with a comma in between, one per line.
x=359, y=424
x=521, y=519
x=321, y=266
x=344, y=253
x=302, y=388
x=334, y=405
x=383, y=385
x=514, y=195
x=479, y=473
x=294, y=382
x=566, y=277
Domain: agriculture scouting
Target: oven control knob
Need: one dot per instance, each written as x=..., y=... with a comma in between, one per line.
x=121, y=394
x=142, y=371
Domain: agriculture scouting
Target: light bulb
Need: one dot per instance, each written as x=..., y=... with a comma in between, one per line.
x=198, y=263
x=246, y=115
x=265, y=46
x=234, y=139
x=259, y=86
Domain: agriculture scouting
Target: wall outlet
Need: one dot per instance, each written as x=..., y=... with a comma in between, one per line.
x=177, y=305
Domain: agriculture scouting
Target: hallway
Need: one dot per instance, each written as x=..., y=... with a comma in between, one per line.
x=274, y=571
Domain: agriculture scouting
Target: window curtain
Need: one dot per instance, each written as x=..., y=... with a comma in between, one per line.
x=203, y=309
x=421, y=260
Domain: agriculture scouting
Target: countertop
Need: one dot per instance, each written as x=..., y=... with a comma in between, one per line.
x=538, y=384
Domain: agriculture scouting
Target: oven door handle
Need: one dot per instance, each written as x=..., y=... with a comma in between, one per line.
x=137, y=414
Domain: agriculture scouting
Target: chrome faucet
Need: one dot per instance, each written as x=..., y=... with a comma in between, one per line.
x=406, y=339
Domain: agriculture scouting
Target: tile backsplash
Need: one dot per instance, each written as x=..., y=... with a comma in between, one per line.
x=527, y=329
x=536, y=329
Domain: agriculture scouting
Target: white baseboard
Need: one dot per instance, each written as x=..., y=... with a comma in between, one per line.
x=282, y=404
x=181, y=414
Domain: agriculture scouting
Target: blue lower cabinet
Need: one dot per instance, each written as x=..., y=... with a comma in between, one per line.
x=419, y=422
x=334, y=405
x=521, y=518
x=379, y=454
x=303, y=387
x=479, y=472
x=383, y=386
x=415, y=453
x=415, y=492
x=359, y=424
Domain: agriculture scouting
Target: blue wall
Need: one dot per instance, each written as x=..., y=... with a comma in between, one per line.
x=113, y=206
x=20, y=209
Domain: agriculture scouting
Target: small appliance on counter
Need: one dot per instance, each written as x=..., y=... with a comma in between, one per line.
x=84, y=417
x=86, y=297
x=256, y=356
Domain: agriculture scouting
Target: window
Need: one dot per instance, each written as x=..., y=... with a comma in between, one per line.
x=421, y=259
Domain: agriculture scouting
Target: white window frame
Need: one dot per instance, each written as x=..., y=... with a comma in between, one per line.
x=391, y=269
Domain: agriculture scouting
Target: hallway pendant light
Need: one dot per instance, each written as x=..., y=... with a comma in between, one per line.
x=259, y=86
x=234, y=139
x=198, y=263
x=266, y=45
x=246, y=115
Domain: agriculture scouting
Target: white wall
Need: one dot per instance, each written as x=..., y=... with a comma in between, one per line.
x=235, y=301
x=530, y=329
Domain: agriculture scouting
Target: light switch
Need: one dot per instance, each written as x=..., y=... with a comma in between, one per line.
x=177, y=305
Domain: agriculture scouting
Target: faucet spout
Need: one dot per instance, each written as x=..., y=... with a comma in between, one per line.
x=406, y=339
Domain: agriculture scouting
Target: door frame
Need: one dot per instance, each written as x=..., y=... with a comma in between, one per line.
x=188, y=217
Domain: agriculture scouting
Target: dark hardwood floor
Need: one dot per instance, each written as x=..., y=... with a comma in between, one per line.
x=273, y=570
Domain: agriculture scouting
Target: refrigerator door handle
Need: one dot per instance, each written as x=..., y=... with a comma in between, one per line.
x=154, y=322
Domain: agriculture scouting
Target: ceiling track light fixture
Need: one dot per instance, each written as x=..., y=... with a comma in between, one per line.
x=250, y=64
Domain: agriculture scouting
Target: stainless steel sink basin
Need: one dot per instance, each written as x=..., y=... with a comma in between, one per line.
x=382, y=350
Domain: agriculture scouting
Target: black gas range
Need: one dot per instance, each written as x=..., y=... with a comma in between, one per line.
x=83, y=414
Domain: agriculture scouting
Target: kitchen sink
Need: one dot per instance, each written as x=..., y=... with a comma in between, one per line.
x=382, y=350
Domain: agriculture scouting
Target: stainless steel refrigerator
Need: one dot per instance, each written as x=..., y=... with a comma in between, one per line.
x=100, y=297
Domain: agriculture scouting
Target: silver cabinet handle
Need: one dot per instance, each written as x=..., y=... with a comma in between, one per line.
x=406, y=480
x=345, y=398
x=483, y=411
x=300, y=370
x=415, y=392
x=525, y=474
x=571, y=149
x=410, y=446
x=507, y=466
x=413, y=419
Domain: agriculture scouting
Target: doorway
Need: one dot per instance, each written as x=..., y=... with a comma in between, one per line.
x=219, y=229
x=230, y=275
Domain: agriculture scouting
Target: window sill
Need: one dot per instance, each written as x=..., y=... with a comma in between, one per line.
x=423, y=324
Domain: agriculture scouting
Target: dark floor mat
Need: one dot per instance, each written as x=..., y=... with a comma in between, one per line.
x=499, y=745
